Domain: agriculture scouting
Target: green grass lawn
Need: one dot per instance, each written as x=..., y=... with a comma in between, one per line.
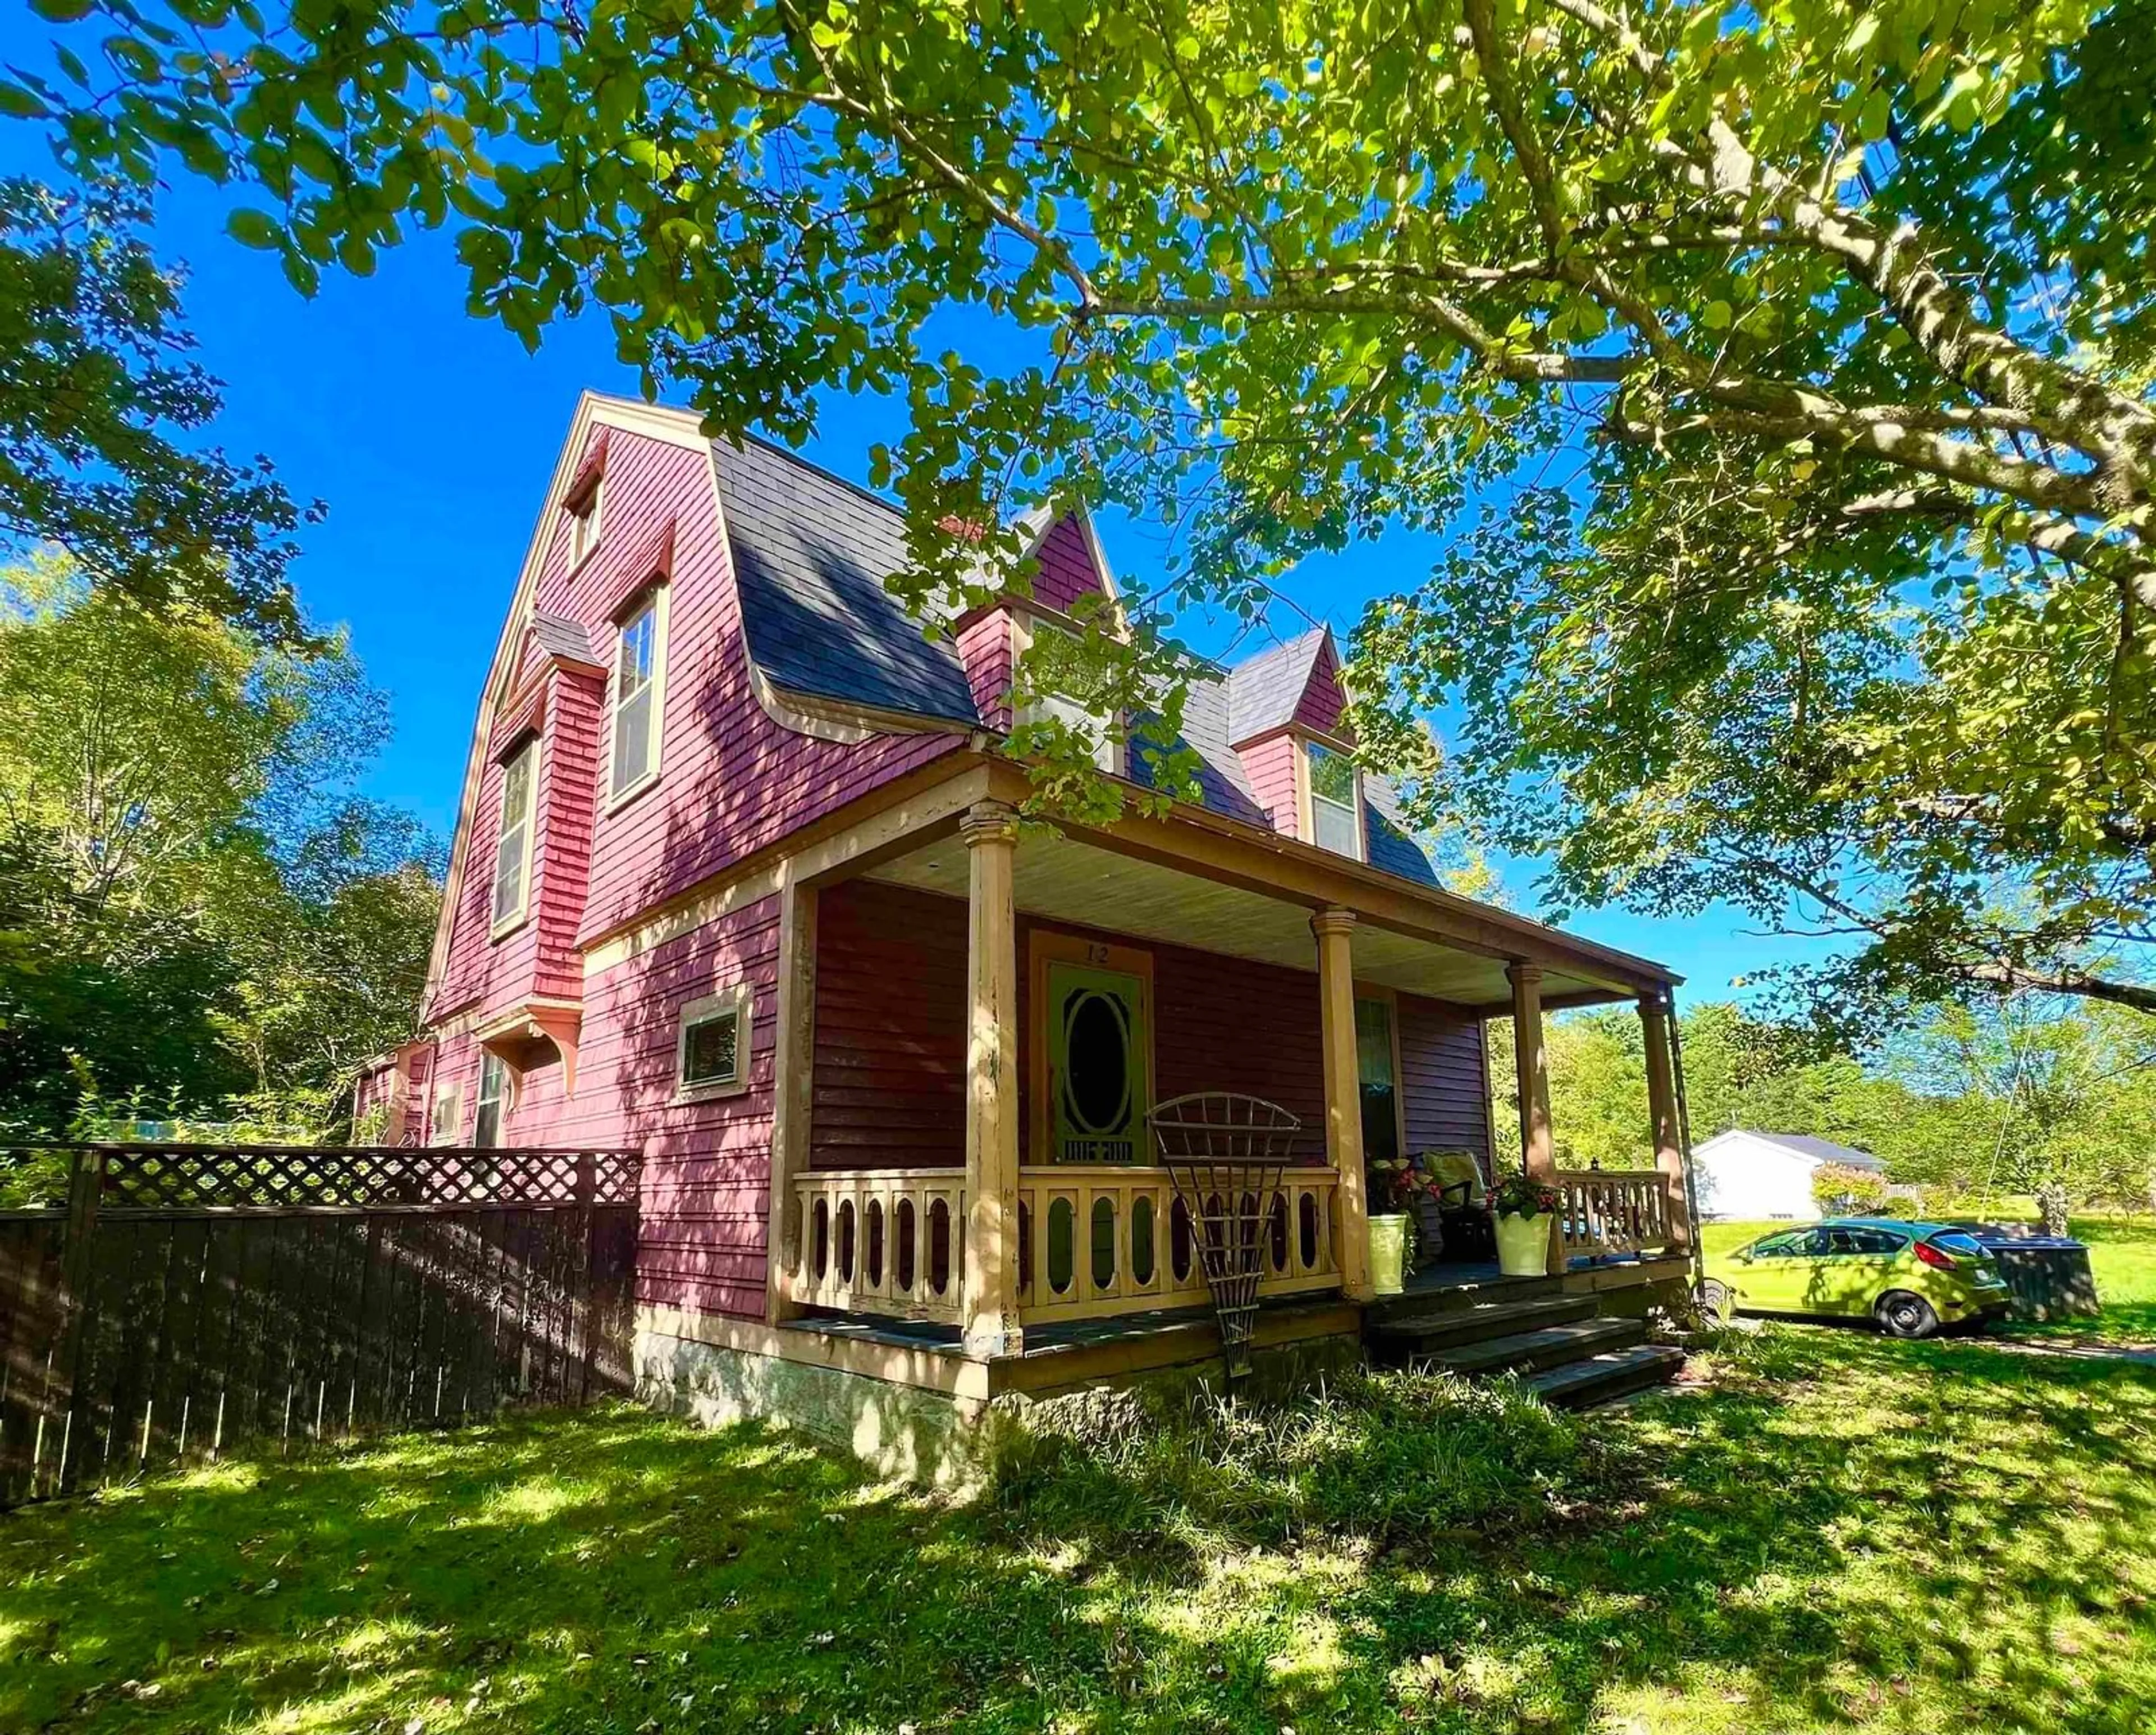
x=2121, y=1256
x=1847, y=1533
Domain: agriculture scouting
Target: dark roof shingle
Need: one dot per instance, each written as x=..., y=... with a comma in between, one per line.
x=1264, y=691
x=810, y=554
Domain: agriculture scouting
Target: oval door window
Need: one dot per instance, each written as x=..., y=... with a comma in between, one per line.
x=1096, y=1083
x=1096, y=1059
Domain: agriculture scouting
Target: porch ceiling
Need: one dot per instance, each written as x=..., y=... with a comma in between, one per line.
x=1062, y=880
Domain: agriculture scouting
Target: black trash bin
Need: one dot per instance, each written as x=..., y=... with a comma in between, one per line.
x=2048, y=1275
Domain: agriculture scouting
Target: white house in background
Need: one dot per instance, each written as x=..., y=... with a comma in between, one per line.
x=1750, y=1177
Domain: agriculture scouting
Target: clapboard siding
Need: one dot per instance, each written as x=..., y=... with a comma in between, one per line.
x=1443, y=1080
x=890, y=1009
x=889, y=1084
x=732, y=780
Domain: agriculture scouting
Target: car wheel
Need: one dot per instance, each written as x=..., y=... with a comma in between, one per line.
x=1715, y=1301
x=1901, y=1315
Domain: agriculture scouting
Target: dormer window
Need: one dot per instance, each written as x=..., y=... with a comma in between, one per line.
x=639, y=654
x=1058, y=650
x=1336, y=815
x=583, y=524
x=512, y=848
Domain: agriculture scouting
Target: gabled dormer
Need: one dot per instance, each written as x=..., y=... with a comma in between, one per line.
x=1070, y=571
x=1285, y=709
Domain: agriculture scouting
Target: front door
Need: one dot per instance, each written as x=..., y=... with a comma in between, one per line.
x=1097, y=1078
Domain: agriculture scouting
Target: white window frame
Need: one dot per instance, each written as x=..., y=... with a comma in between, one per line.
x=446, y=1115
x=584, y=524
x=738, y=1001
x=488, y=1060
x=652, y=600
x=1107, y=752
x=1307, y=777
x=506, y=921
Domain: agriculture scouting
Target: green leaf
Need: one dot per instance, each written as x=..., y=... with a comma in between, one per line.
x=254, y=228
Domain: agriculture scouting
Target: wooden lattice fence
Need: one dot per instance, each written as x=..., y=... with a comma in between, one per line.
x=167, y=1304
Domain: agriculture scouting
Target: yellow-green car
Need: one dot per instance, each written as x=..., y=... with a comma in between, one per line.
x=1911, y=1278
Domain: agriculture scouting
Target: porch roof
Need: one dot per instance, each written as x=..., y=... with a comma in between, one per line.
x=1104, y=882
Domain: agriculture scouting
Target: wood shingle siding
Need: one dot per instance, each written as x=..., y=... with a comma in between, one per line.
x=1269, y=768
x=1066, y=569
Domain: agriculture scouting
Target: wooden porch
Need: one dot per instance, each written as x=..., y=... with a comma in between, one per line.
x=995, y=1256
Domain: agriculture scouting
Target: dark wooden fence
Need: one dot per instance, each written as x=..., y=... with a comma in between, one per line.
x=187, y=1301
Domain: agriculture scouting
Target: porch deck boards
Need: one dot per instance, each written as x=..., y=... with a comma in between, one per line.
x=1482, y=1280
x=1053, y=1337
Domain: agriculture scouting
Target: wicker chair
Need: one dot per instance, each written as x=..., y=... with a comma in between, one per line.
x=1463, y=1204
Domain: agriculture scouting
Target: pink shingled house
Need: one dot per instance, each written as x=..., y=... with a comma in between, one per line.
x=737, y=884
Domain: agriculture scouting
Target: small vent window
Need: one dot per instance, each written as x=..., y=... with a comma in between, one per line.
x=714, y=1047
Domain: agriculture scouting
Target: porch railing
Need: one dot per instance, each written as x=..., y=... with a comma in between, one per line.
x=1612, y=1210
x=1092, y=1242
x=1110, y=1239
x=884, y=1240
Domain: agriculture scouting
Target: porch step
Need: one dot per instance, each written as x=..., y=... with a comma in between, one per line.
x=1613, y=1373
x=1457, y=1296
x=1549, y=1346
x=1404, y=1336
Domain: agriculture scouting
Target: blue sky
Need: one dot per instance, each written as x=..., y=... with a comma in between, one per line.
x=431, y=437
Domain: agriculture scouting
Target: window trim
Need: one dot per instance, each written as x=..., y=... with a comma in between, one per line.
x=740, y=999
x=1030, y=621
x=450, y=1098
x=653, y=596
x=1389, y=998
x=583, y=510
x=1307, y=798
x=500, y=927
x=503, y=1104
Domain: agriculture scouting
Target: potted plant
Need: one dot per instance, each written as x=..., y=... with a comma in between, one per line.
x=1394, y=1186
x=1527, y=1218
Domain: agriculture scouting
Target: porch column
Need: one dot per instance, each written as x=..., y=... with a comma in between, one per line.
x=1335, y=930
x=793, y=1101
x=1662, y=1119
x=991, y=1325
x=1537, y=1154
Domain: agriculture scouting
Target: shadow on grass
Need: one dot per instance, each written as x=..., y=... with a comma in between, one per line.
x=1849, y=1532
